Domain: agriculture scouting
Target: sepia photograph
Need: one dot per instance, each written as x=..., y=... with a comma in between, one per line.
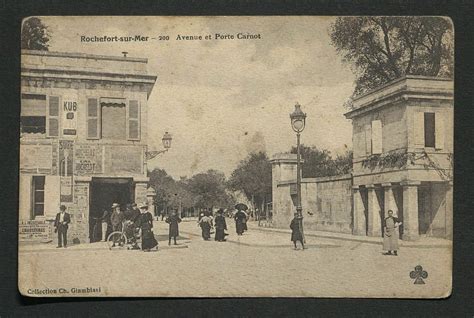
x=236, y=156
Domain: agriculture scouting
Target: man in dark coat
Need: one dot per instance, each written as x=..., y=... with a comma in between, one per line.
x=61, y=225
x=173, y=221
x=295, y=231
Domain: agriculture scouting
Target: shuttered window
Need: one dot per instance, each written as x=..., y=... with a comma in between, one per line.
x=38, y=196
x=53, y=117
x=429, y=129
x=33, y=113
x=93, y=119
x=133, y=119
x=376, y=137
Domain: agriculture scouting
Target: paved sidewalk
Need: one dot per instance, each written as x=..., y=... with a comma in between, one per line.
x=423, y=242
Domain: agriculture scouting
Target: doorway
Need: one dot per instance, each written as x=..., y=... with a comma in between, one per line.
x=103, y=193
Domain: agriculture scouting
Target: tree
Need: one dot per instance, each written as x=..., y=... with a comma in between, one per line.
x=208, y=190
x=319, y=163
x=343, y=163
x=381, y=49
x=165, y=187
x=253, y=177
x=34, y=35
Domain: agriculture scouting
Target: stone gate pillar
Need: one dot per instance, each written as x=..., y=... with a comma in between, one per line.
x=374, y=224
x=410, y=210
x=141, y=191
x=358, y=215
x=389, y=200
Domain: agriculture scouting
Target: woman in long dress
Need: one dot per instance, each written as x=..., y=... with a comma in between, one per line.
x=145, y=223
x=221, y=226
x=390, y=236
x=173, y=221
x=240, y=222
x=205, y=224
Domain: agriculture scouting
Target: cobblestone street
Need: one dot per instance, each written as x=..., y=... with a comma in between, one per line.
x=259, y=263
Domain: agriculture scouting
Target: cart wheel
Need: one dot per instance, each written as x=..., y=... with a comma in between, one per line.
x=116, y=240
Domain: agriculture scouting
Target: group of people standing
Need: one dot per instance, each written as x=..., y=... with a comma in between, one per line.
x=135, y=221
x=207, y=223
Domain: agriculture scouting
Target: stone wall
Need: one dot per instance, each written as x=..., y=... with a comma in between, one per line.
x=327, y=203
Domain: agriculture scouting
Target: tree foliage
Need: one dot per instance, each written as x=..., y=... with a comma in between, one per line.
x=381, y=49
x=34, y=35
x=208, y=190
x=253, y=176
x=320, y=163
x=203, y=190
x=168, y=191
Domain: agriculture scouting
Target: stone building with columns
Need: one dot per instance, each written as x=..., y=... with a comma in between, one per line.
x=83, y=138
x=403, y=154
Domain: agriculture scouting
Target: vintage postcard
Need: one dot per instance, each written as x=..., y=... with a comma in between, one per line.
x=277, y=156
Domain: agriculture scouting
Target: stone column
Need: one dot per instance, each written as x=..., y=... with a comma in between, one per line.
x=389, y=200
x=358, y=215
x=140, y=192
x=374, y=224
x=410, y=210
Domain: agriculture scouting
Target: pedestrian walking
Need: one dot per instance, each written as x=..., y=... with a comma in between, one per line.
x=296, y=231
x=173, y=221
x=220, y=225
x=61, y=224
x=240, y=222
x=205, y=223
x=145, y=223
x=390, y=236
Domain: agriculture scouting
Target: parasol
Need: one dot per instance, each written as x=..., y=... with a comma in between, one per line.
x=241, y=206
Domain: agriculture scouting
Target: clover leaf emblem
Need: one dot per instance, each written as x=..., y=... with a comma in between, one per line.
x=418, y=275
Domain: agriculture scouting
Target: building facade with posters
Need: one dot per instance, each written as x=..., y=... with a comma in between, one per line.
x=83, y=138
x=403, y=161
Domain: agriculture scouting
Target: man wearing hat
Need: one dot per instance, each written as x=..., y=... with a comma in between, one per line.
x=117, y=217
x=61, y=225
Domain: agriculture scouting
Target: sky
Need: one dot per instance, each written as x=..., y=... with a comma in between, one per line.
x=222, y=99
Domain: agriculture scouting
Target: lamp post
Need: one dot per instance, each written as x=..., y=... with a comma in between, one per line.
x=298, y=122
x=166, y=140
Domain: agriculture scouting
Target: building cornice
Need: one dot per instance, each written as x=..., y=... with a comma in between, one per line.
x=88, y=75
x=402, y=90
x=84, y=56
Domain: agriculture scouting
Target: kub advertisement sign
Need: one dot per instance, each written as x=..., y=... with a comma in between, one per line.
x=69, y=122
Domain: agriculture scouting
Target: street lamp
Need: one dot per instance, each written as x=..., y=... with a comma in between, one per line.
x=298, y=122
x=166, y=140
